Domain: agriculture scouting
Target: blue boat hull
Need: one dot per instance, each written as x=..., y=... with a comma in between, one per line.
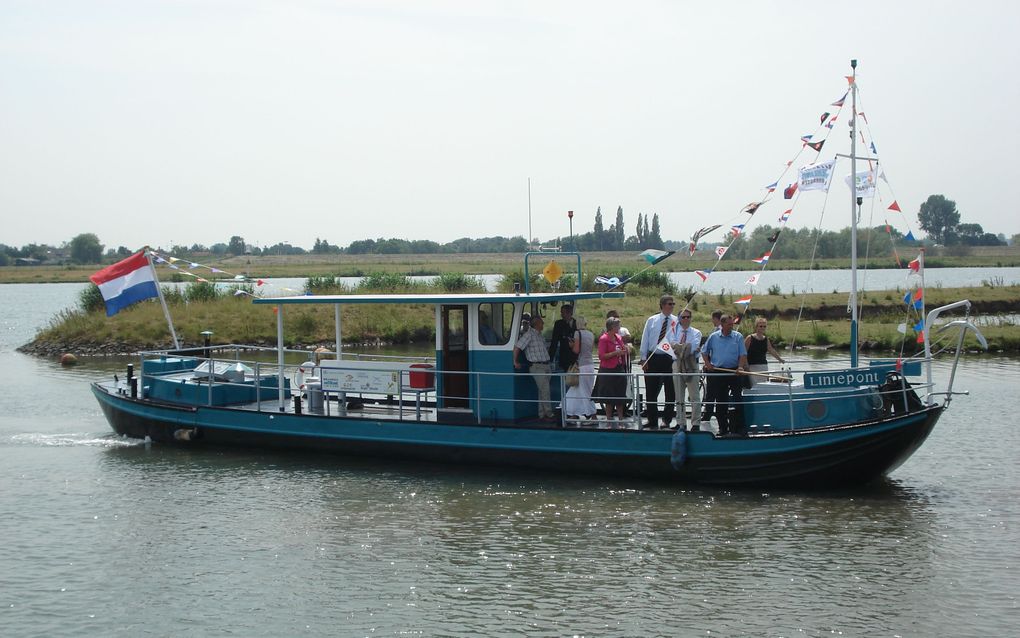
x=823, y=457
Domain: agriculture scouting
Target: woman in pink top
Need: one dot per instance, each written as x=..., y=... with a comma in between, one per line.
x=611, y=387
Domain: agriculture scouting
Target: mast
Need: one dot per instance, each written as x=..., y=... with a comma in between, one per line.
x=855, y=203
x=529, y=214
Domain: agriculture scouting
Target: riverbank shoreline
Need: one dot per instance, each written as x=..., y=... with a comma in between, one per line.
x=816, y=320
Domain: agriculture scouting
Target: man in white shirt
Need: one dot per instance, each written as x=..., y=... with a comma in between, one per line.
x=657, y=356
x=687, y=379
x=532, y=344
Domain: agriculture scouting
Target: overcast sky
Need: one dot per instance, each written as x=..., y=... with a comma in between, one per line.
x=152, y=122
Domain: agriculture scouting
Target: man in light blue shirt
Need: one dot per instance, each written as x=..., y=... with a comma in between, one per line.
x=725, y=349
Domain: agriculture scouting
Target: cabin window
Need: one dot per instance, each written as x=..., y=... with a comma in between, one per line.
x=495, y=321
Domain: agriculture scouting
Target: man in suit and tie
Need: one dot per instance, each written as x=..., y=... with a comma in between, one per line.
x=657, y=357
x=687, y=380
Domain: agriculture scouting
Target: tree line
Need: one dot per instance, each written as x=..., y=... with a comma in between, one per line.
x=938, y=216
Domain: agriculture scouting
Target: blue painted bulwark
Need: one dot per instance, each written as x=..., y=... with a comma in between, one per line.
x=185, y=391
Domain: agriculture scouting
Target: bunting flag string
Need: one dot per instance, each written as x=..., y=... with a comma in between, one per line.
x=184, y=267
x=826, y=123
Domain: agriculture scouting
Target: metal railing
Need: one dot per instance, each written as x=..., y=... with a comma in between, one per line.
x=483, y=383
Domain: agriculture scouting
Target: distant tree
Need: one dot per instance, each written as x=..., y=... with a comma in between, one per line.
x=236, y=245
x=640, y=232
x=975, y=235
x=86, y=249
x=938, y=217
x=219, y=249
x=123, y=251
x=1014, y=240
x=655, y=237
x=619, y=235
x=362, y=247
x=646, y=234
x=599, y=231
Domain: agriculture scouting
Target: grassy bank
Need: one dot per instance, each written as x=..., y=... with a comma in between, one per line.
x=818, y=319
x=476, y=263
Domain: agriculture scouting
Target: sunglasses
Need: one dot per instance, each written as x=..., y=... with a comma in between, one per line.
x=685, y=316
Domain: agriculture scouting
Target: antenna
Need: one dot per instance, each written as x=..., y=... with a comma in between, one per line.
x=530, y=236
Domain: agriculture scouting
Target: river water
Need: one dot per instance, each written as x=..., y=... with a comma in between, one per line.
x=788, y=281
x=110, y=537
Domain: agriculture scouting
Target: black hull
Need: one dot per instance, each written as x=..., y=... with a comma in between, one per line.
x=873, y=450
x=840, y=464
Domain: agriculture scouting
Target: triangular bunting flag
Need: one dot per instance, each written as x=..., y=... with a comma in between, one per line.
x=653, y=256
x=789, y=191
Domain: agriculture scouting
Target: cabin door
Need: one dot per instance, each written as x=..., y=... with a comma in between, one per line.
x=455, y=356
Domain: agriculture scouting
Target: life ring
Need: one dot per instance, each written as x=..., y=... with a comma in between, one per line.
x=297, y=379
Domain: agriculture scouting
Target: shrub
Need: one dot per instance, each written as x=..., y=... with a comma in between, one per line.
x=90, y=299
x=173, y=295
x=774, y=289
x=457, y=282
x=384, y=281
x=819, y=334
x=201, y=291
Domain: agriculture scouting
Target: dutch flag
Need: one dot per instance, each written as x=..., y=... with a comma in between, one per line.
x=126, y=282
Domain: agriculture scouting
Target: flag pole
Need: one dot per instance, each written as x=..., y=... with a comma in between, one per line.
x=162, y=301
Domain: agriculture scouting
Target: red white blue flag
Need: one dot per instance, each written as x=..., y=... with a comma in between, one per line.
x=764, y=259
x=743, y=301
x=126, y=282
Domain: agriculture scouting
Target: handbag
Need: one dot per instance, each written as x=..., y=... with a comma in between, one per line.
x=573, y=375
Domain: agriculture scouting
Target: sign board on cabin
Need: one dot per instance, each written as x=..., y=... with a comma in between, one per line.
x=847, y=378
x=369, y=381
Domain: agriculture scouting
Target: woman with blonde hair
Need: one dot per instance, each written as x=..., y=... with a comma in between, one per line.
x=611, y=386
x=757, y=345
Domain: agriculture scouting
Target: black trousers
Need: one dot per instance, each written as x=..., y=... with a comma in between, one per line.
x=658, y=373
x=725, y=391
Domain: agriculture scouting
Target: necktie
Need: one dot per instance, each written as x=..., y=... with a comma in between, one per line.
x=662, y=331
x=683, y=337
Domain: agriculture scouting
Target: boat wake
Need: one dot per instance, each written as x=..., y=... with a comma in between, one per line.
x=75, y=439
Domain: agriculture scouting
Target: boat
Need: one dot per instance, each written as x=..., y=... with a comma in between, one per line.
x=465, y=404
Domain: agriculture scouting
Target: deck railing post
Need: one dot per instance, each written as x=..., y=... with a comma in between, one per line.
x=258, y=388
